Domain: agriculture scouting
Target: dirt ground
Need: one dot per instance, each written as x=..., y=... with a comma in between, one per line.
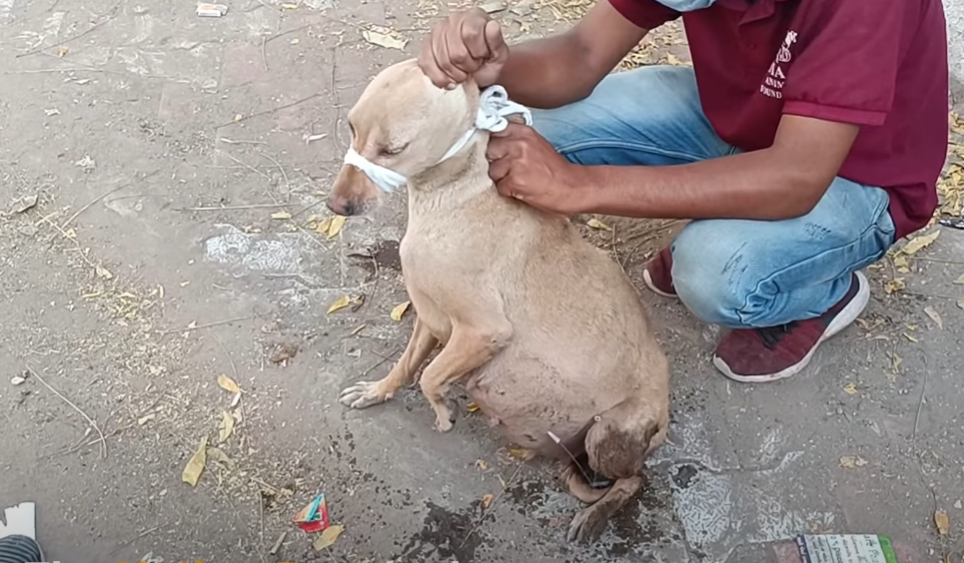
x=162, y=224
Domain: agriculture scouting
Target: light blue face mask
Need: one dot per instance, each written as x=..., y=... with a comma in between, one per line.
x=686, y=5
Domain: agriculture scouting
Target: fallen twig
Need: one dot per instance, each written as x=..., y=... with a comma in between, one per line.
x=269, y=111
x=91, y=29
x=89, y=204
x=208, y=325
x=90, y=421
x=236, y=207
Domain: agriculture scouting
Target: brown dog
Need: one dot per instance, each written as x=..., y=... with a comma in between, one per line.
x=547, y=330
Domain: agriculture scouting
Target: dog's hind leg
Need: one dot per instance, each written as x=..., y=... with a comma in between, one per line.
x=589, y=524
x=367, y=393
x=468, y=348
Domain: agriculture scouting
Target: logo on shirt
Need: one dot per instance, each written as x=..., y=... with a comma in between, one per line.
x=776, y=76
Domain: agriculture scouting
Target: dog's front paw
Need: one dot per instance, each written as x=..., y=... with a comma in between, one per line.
x=587, y=526
x=363, y=394
x=445, y=415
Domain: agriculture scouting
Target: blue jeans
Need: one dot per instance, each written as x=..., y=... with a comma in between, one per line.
x=733, y=272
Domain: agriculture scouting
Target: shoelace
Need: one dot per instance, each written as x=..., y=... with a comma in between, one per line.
x=494, y=109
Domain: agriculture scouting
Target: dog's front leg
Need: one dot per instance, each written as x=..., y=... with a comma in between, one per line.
x=468, y=348
x=367, y=393
x=589, y=524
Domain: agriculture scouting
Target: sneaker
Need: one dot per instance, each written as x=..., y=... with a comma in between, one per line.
x=768, y=354
x=658, y=274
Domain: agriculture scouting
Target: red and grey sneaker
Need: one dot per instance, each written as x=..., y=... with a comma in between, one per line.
x=658, y=274
x=768, y=354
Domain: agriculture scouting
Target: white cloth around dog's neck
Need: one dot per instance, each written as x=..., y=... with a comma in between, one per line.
x=494, y=108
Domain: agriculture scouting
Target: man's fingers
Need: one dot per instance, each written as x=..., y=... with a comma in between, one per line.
x=429, y=66
x=499, y=169
x=496, y=47
x=474, y=37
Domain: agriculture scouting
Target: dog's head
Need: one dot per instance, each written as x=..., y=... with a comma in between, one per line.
x=620, y=440
x=404, y=123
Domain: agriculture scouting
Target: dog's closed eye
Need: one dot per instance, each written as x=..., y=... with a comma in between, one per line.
x=391, y=150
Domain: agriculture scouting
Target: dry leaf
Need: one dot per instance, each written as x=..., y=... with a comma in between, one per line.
x=935, y=316
x=399, y=311
x=328, y=537
x=598, y=225
x=851, y=461
x=337, y=222
x=487, y=501
x=195, y=465
x=909, y=337
x=895, y=363
x=894, y=285
x=104, y=272
x=226, y=427
x=339, y=304
x=63, y=50
x=919, y=243
x=357, y=330
x=323, y=227
x=228, y=384
x=942, y=522
x=960, y=280
x=472, y=407
x=960, y=302
x=281, y=215
x=384, y=40
x=481, y=464
x=289, y=6
x=145, y=419
x=850, y=389
x=520, y=454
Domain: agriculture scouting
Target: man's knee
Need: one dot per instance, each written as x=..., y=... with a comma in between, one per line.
x=716, y=274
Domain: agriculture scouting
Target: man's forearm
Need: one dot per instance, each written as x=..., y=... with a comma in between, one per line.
x=753, y=185
x=545, y=73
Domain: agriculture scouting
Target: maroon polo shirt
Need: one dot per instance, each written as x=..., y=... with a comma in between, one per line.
x=878, y=64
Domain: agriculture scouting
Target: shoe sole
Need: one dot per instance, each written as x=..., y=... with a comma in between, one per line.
x=844, y=318
x=648, y=280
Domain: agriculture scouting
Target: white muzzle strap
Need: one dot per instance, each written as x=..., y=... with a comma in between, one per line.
x=494, y=109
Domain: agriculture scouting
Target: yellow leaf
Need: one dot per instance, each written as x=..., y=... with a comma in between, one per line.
x=339, y=304
x=104, y=273
x=487, y=501
x=481, y=464
x=960, y=302
x=357, y=330
x=226, y=428
x=909, y=337
x=63, y=50
x=195, y=465
x=850, y=389
x=520, y=454
x=919, y=243
x=337, y=222
x=942, y=522
x=387, y=40
x=228, y=384
x=960, y=280
x=934, y=316
x=851, y=461
x=328, y=537
x=281, y=215
x=598, y=225
x=399, y=311
x=472, y=407
x=322, y=228
x=900, y=262
x=289, y=6
x=894, y=285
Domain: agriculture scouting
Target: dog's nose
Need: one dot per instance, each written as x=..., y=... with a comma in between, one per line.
x=343, y=207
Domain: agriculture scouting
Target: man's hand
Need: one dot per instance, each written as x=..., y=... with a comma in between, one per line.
x=466, y=44
x=524, y=166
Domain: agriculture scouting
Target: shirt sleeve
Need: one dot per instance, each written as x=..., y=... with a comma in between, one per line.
x=646, y=14
x=845, y=57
